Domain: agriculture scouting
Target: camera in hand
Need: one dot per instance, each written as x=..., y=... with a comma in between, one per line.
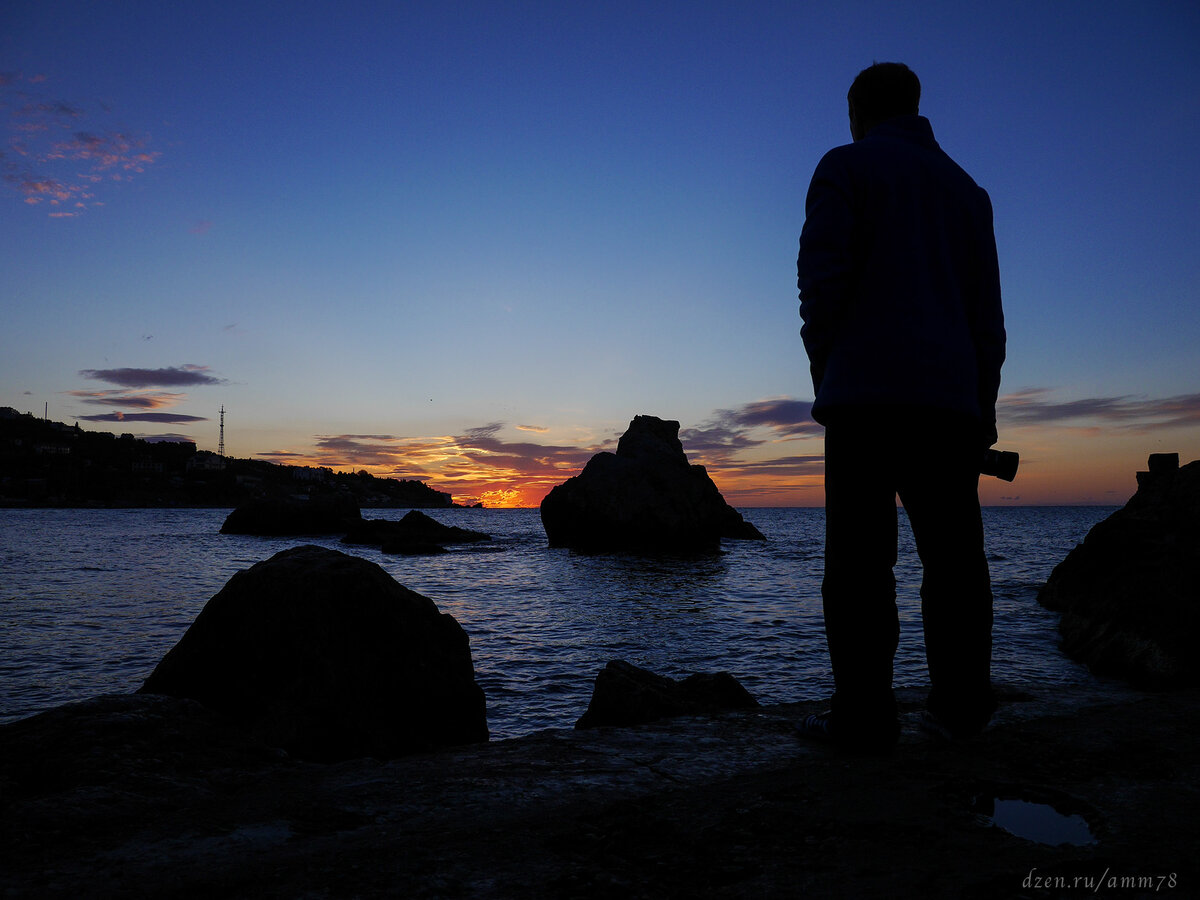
x=1000, y=463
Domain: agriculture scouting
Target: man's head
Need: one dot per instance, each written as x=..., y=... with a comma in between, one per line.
x=881, y=92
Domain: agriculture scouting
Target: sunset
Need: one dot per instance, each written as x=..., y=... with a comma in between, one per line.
x=469, y=243
x=541, y=449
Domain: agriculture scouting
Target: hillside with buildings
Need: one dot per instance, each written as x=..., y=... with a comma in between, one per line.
x=51, y=464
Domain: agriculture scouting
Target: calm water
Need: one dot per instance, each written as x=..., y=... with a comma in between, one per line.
x=90, y=600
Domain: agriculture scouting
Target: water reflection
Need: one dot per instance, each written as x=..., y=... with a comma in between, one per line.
x=1034, y=821
x=92, y=599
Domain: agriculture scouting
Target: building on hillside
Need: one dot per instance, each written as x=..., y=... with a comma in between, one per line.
x=206, y=461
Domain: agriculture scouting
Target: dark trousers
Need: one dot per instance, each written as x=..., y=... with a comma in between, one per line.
x=931, y=461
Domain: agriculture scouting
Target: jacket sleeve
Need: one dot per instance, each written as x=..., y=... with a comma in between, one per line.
x=988, y=323
x=823, y=267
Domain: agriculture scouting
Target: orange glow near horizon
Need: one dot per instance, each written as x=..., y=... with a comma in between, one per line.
x=505, y=498
x=1058, y=467
x=494, y=488
x=1037, y=485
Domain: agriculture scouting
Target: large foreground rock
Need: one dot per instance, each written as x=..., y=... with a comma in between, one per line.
x=1130, y=593
x=626, y=694
x=289, y=517
x=645, y=498
x=327, y=656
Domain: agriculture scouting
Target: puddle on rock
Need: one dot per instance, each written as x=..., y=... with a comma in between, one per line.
x=1033, y=820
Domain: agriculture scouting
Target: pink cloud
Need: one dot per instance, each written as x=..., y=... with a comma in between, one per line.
x=52, y=170
x=37, y=191
x=105, y=152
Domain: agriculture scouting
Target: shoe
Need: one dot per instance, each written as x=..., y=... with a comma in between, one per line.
x=818, y=727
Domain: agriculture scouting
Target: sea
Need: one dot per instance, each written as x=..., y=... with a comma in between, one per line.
x=90, y=601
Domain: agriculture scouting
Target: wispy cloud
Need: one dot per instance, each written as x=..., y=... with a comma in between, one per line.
x=285, y=457
x=173, y=418
x=728, y=433
x=482, y=445
x=137, y=400
x=172, y=376
x=108, y=154
x=788, y=416
x=166, y=437
x=50, y=161
x=1036, y=406
x=35, y=116
x=355, y=450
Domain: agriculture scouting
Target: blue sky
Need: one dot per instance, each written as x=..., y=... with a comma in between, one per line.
x=468, y=242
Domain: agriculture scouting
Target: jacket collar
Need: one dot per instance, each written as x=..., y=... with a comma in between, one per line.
x=908, y=128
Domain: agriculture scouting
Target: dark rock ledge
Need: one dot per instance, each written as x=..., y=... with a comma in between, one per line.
x=1129, y=595
x=150, y=796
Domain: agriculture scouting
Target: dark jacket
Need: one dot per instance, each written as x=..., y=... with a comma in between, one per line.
x=899, y=284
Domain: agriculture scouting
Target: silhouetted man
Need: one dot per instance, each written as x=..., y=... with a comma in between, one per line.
x=900, y=297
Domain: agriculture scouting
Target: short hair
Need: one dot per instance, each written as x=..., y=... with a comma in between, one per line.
x=884, y=91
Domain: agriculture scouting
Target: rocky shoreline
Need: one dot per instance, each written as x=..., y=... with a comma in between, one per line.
x=141, y=795
x=1070, y=792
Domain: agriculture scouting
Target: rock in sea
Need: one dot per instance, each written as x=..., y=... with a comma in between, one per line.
x=328, y=514
x=416, y=533
x=645, y=498
x=1129, y=595
x=328, y=657
x=626, y=694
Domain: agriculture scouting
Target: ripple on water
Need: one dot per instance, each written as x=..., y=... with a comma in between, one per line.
x=94, y=598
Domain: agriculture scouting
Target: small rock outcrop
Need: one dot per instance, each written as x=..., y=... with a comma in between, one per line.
x=288, y=517
x=328, y=657
x=416, y=533
x=626, y=694
x=645, y=498
x=1129, y=595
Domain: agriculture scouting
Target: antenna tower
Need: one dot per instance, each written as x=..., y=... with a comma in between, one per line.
x=221, y=442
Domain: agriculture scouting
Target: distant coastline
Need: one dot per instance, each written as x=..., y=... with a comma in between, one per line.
x=46, y=464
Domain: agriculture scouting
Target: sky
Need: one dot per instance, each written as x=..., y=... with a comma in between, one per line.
x=467, y=242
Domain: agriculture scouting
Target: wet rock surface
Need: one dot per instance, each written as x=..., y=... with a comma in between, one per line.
x=645, y=498
x=148, y=796
x=328, y=657
x=1129, y=595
